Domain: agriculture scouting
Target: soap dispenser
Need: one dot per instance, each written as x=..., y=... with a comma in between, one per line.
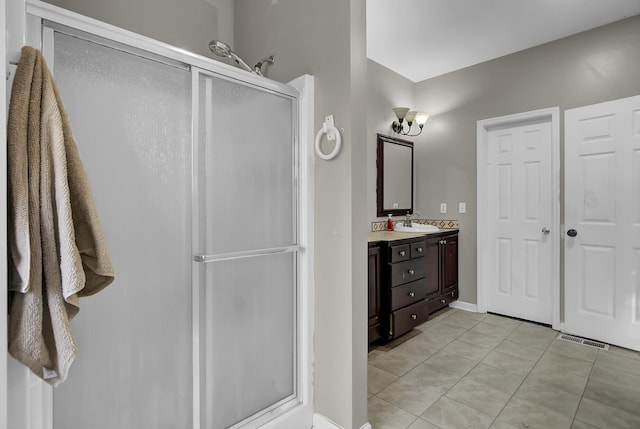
x=390, y=223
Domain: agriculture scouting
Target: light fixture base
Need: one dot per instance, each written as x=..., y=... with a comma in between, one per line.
x=397, y=127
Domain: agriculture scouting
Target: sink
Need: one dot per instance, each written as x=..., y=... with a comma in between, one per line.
x=416, y=227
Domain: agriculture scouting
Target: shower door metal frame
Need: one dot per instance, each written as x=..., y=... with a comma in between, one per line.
x=3, y=221
x=29, y=29
x=272, y=412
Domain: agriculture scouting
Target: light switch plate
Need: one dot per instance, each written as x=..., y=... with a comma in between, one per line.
x=443, y=207
x=462, y=208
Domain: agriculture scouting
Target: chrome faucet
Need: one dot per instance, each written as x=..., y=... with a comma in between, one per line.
x=407, y=219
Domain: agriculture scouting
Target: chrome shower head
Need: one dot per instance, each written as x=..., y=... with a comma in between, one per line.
x=220, y=49
x=223, y=50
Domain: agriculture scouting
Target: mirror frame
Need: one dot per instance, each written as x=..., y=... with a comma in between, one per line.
x=381, y=211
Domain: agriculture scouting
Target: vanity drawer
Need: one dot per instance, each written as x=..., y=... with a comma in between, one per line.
x=418, y=249
x=404, y=272
x=399, y=253
x=407, y=318
x=408, y=293
x=443, y=301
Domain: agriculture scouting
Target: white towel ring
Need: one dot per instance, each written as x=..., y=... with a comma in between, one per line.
x=333, y=133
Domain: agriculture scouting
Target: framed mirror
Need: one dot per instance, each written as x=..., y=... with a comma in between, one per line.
x=395, y=176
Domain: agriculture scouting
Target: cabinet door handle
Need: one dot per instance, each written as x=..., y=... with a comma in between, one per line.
x=444, y=241
x=412, y=272
x=402, y=253
x=443, y=301
x=414, y=316
x=453, y=294
x=412, y=294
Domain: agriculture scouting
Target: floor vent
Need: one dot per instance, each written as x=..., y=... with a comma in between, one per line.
x=584, y=342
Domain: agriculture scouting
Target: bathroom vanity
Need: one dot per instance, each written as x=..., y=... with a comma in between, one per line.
x=410, y=276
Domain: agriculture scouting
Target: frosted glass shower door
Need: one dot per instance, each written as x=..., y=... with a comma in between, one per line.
x=131, y=117
x=246, y=253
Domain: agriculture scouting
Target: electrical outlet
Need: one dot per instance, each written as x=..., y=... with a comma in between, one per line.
x=462, y=208
x=443, y=207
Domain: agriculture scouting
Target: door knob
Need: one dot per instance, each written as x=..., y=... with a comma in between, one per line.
x=546, y=230
x=572, y=233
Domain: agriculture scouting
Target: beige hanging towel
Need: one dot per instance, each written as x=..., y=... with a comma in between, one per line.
x=57, y=252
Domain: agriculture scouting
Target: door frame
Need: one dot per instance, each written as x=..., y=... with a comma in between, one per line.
x=551, y=115
x=3, y=216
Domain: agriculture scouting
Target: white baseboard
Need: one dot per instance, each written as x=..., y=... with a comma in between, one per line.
x=460, y=305
x=321, y=422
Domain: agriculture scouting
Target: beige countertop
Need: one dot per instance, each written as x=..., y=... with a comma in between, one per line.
x=395, y=235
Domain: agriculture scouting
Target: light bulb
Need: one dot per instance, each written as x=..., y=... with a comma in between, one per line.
x=421, y=118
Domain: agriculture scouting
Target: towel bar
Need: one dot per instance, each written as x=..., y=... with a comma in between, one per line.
x=245, y=254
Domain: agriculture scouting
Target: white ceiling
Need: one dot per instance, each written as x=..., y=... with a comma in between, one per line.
x=421, y=39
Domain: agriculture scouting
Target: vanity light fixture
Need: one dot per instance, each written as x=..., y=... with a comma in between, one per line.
x=410, y=116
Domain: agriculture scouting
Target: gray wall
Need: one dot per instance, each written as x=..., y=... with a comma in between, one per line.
x=591, y=67
x=187, y=24
x=385, y=90
x=327, y=39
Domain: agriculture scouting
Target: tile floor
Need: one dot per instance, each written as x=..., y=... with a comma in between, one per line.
x=470, y=370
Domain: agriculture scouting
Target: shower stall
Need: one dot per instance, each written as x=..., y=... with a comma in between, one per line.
x=200, y=173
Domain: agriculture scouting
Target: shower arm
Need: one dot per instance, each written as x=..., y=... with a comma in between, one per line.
x=257, y=69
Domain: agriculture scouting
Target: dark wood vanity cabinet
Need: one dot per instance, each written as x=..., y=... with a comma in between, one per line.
x=408, y=280
x=405, y=290
x=445, y=288
x=375, y=299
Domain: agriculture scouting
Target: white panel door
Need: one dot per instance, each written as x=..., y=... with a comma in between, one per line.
x=602, y=218
x=520, y=216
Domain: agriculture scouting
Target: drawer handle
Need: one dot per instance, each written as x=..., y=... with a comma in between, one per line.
x=443, y=301
x=412, y=272
x=402, y=253
x=414, y=317
x=419, y=249
x=412, y=294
